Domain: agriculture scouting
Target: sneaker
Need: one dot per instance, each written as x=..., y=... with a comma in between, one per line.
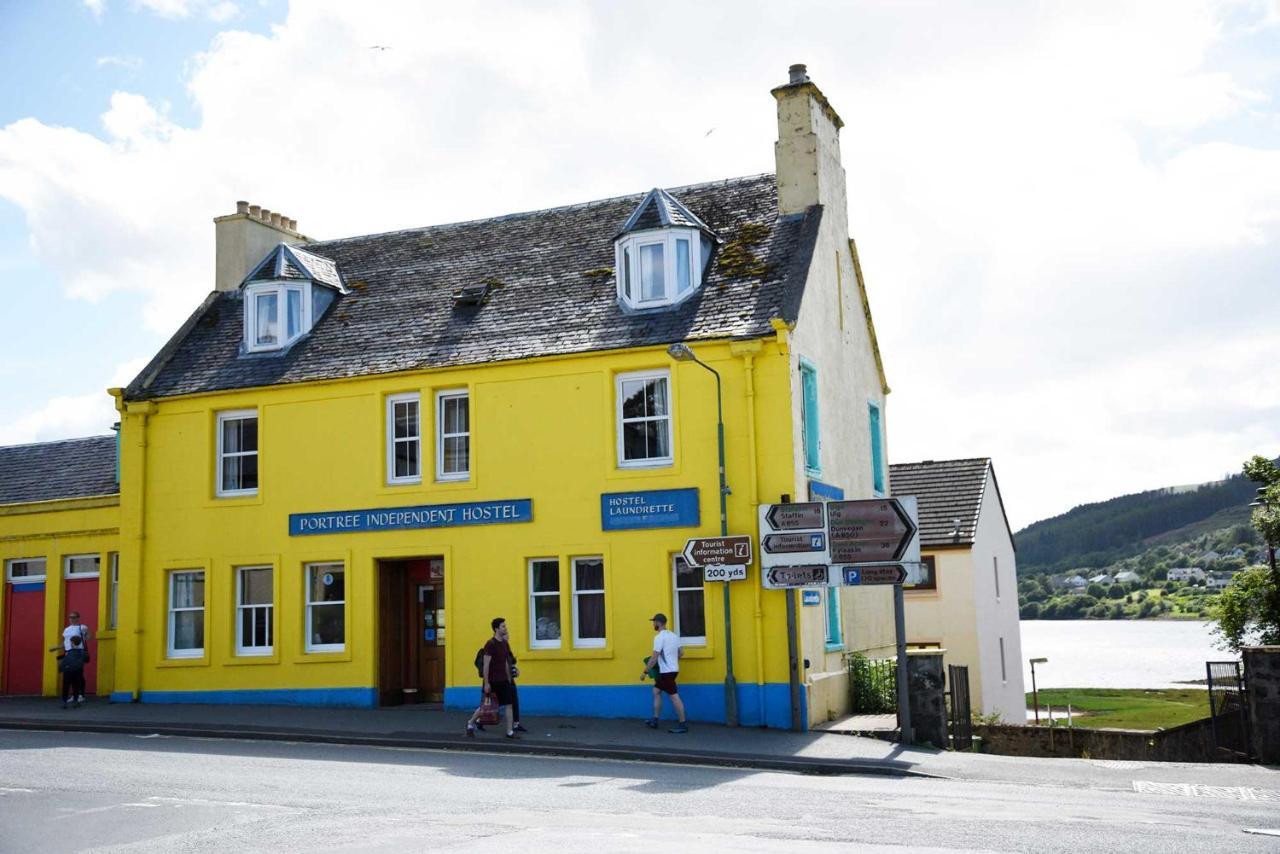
x=480, y=727
x=520, y=728
x=471, y=731
x=512, y=735
x=80, y=699
x=679, y=728
x=652, y=723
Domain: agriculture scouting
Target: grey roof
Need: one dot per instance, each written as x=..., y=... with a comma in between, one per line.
x=294, y=262
x=72, y=468
x=948, y=490
x=660, y=209
x=553, y=292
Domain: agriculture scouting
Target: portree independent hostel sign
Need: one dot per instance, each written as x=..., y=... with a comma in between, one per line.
x=422, y=516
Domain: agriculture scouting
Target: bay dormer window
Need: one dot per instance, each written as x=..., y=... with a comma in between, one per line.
x=661, y=253
x=285, y=295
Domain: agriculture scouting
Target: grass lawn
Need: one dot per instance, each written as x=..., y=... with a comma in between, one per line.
x=1128, y=708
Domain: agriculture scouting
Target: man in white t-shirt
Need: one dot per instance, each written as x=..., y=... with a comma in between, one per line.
x=76, y=629
x=666, y=658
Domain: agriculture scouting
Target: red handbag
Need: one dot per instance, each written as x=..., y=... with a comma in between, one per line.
x=488, y=712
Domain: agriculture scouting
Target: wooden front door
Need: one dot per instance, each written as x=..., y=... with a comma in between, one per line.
x=412, y=635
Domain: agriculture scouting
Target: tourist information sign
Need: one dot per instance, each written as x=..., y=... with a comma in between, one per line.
x=873, y=573
x=868, y=531
x=811, y=575
x=793, y=535
x=718, y=551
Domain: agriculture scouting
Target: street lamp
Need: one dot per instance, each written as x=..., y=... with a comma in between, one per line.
x=682, y=353
x=1035, y=697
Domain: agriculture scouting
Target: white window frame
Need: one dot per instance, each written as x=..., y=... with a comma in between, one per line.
x=325, y=647
x=393, y=440
x=280, y=289
x=687, y=640
x=627, y=261
x=172, y=611
x=270, y=608
x=223, y=418
x=441, y=435
x=578, y=641
x=66, y=566
x=25, y=579
x=113, y=589
x=670, y=418
x=534, y=595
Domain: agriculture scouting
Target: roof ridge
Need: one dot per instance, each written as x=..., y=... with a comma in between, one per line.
x=57, y=442
x=723, y=182
x=939, y=462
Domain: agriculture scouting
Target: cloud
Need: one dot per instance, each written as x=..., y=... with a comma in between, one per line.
x=97, y=7
x=128, y=63
x=68, y=416
x=219, y=11
x=1063, y=219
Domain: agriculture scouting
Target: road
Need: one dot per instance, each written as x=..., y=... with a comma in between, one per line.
x=82, y=791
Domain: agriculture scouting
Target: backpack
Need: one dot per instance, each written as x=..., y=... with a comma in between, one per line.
x=480, y=663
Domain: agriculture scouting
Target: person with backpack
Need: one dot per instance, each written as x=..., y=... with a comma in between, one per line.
x=496, y=673
x=515, y=690
x=72, y=667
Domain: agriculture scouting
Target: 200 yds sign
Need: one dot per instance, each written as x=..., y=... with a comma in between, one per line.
x=728, y=572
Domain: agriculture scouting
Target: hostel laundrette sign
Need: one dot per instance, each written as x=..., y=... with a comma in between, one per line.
x=422, y=516
x=655, y=508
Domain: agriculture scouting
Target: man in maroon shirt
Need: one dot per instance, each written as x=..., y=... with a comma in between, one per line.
x=497, y=674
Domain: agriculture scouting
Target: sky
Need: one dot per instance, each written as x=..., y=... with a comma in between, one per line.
x=1067, y=213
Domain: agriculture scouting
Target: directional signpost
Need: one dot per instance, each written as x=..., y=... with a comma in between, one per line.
x=811, y=575
x=868, y=531
x=793, y=540
x=800, y=541
x=883, y=573
x=721, y=558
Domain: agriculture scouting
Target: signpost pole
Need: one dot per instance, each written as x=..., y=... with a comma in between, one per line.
x=904, y=696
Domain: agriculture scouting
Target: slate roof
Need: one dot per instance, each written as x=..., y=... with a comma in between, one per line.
x=553, y=292
x=73, y=468
x=947, y=490
x=659, y=208
x=294, y=262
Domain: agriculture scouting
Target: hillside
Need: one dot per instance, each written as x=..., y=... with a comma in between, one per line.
x=1094, y=535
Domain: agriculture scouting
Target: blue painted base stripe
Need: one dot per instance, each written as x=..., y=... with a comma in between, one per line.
x=702, y=702
x=347, y=697
x=121, y=697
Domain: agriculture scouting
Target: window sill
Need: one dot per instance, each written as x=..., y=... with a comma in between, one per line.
x=812, y=472
x=323, y=657
x=646, y=465
x=201, y=661
x=242, y=659
x=698, y=653
x=246, y=500
x=566, y=654
x=834, y=647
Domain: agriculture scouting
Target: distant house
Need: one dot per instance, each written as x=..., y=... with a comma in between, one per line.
x=1075, y=581
x=1210, y=555
x=1102, y=578
x=1127, y=577
x=966, y=598
x=1236, y=552
x=1220, y=579
x=1186, y=573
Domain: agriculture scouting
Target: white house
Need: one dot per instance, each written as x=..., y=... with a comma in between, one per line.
x=1220, y=579
x=1186, y=573
x=1075, y=581
x=966, y=598
x=1127, y=577
x=1102, y=578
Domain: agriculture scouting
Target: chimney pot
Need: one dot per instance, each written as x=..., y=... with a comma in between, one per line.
x=255, y=211
x=265, y=216
x=293, y=224
x=798, y=74
x=242, y=207
x=275, y=218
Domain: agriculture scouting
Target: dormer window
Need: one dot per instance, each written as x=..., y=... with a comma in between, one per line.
x=275, y=314
x=285, y=295
x=661, y=252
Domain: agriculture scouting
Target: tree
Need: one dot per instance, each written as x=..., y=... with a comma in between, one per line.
x=1248, y=611
x=1030, y=611
x=1115, y=591
x=1095, y=590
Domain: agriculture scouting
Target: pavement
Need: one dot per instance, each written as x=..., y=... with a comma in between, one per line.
x=756, y=748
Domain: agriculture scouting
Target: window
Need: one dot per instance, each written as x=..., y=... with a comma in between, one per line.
x=326, y=607
x=995, y=572
x=404, y=439
x=644, y=419
x=659, y=267
x=81, y=566
x=923, y=578
x=238, y=453
x=690, y=602
x=275, y=315
x=877, y=448
x=453, y=450
x=809, y=420
x=254, y=598
x=113, y=589
x=544, y=603
x=186, y=614
x=24, y=570
x=588, y=601
x=1004, y=674
x=833, y=635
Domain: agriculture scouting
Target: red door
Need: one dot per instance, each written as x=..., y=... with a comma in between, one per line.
x=82, y=598
x=24, y=651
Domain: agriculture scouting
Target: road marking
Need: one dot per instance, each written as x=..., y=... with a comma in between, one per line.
x=5, y=790
x=1260, y=831
x=1192, y=790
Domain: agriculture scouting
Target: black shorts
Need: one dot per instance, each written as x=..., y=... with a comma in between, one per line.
x=666, y=682
x=504, y=691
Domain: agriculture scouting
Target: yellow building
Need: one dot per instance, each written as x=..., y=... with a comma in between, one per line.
x=357, y=452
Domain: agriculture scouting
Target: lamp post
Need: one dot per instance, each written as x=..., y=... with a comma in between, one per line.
x=682, y=353
x=1035, y=697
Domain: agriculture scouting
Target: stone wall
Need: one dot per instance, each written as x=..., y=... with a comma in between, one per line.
x=1191, y=742
x=1262, y=680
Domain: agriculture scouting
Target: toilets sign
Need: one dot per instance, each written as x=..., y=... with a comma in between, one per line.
x=402, y=518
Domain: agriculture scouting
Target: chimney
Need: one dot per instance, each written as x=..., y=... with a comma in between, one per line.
x=243, y=238
x=807, y=152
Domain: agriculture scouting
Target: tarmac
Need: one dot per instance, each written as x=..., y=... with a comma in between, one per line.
x=756, y=748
